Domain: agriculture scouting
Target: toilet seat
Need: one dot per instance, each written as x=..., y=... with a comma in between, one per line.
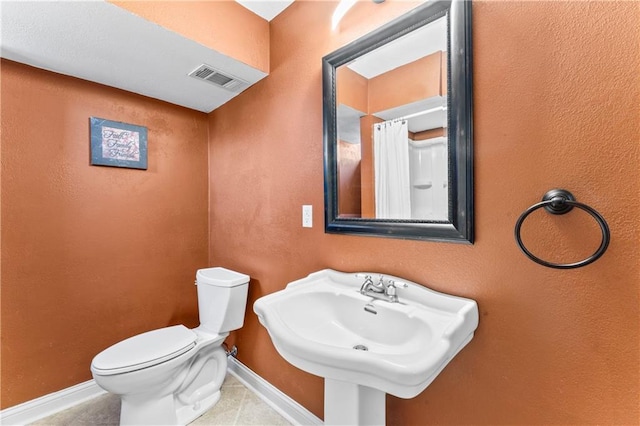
x=144, y=350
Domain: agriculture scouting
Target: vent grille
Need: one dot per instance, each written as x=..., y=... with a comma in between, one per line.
x=211, y=75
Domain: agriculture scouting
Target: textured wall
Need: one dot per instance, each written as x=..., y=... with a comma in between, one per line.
x=349, y=158
x=91, y=255
x=224, y=26
x=556, y=105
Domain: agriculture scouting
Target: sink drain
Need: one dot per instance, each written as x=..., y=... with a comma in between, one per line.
x=361, y=348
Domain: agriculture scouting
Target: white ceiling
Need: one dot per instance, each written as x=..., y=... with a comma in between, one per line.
x=425, y=114
x=103, y=43
x=268, y=9
x=417, y=44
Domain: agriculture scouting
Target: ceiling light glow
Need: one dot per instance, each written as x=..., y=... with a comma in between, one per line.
x=341, y=10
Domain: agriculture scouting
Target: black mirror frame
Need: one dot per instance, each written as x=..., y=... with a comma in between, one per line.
x=459, y=227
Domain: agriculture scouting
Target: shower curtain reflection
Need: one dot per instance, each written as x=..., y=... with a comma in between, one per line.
x=391, y=160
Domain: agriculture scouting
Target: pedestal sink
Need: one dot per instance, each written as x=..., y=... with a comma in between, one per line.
x=363, y=346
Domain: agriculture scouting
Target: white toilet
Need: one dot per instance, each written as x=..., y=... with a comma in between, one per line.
x=172, y=375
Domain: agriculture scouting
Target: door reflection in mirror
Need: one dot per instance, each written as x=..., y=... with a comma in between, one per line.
x=402, y=83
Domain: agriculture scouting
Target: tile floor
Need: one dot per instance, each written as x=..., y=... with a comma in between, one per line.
x=237, y=406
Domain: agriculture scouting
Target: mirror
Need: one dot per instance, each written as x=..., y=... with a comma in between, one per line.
x=398, y=127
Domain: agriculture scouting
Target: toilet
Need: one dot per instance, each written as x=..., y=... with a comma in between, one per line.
x=172, y=375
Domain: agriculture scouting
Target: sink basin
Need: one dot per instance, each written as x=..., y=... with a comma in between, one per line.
x=322, y=324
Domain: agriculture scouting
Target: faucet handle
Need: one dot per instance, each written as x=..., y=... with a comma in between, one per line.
x=391, y=290
x=366, y=283
x=396, y=284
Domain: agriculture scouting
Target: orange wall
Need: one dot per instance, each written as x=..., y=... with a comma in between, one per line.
x=349, y=156
x=427, y=134
x=367, y=175
x=91, y=255
x=224, y=26
x=352, y=89
x=556, y=105
x=424, y=75
x=383, y=91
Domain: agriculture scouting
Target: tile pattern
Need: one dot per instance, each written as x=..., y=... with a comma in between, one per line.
x=237, y=406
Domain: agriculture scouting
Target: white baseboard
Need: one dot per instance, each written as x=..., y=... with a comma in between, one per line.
x=284, y=405
x=39, y=408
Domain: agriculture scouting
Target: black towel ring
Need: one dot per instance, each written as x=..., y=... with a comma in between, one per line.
x=561, y=201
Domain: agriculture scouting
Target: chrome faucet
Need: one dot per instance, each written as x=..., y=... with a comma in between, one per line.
x=381, y=290
x=369, y=286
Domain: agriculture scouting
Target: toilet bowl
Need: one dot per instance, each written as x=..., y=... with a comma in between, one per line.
x=172, y=375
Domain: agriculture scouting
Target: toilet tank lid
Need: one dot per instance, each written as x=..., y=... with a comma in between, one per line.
x=221, y=277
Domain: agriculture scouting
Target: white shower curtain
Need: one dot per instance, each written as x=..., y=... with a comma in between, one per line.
x=391, y=154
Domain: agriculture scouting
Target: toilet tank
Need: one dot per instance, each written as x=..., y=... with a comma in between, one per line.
x=222, y=299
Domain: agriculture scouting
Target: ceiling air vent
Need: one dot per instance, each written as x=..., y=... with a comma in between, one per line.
x=213, y=76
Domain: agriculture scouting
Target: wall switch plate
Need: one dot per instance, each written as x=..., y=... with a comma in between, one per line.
x=307, y=216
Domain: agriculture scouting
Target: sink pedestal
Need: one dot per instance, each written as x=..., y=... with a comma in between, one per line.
x=350, y=404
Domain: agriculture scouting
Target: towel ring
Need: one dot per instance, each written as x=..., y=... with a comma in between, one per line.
x=561, y=201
